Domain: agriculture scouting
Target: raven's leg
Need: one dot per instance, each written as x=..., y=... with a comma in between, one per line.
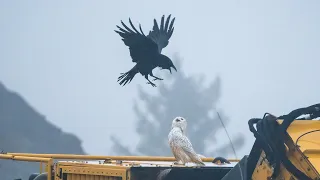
x=155, y=77
x=152, y=84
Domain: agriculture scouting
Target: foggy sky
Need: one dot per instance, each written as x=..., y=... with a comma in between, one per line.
x=64, y=58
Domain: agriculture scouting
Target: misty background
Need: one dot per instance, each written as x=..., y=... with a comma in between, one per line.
x=64, y=58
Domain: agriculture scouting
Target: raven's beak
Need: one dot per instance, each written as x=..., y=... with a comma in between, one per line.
x=173, y=68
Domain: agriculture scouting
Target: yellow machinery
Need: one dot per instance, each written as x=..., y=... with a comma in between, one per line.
x=286, y=148
x=88, y=167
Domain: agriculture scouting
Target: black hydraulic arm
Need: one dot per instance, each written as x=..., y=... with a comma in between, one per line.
x=270, y=138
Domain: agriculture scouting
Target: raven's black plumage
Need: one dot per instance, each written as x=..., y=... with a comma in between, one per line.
x=145, y=51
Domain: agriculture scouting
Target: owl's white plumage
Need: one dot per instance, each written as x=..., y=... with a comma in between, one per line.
x=180, y=145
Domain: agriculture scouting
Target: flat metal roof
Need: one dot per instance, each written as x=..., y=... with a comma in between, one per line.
x=148, y=163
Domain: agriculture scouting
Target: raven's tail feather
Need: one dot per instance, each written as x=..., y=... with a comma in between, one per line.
x=127, y=77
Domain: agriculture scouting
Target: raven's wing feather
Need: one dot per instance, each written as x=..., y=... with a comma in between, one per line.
x=141, y=47
x=162, y=35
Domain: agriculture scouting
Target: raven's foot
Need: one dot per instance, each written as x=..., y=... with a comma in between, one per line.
x=152, y=84
x=157, y=79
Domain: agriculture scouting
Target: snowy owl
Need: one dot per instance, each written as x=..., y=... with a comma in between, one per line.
x=180, y=145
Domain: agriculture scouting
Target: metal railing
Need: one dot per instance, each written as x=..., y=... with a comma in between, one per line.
x=48, y=161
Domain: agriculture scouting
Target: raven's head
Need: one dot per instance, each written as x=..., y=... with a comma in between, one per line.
x=166, y=63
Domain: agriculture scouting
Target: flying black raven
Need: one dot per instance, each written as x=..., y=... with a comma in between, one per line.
x=145, y=51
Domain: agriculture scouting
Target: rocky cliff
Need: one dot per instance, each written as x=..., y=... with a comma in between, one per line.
x=23, y=129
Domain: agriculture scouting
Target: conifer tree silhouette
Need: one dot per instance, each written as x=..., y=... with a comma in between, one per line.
x=186, y=96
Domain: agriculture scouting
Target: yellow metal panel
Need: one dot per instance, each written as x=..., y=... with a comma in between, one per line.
x=305, y=156
x=90, y=177
x=76, y=171
x=299, y=160
x=94, y=171
x=309, y=144
x=308, y=141
x=263, y=171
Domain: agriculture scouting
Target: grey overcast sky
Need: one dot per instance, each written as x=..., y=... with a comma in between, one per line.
x=64, y=58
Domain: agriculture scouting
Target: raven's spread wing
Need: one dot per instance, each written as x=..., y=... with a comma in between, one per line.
x=161, y=35
x=141, y=47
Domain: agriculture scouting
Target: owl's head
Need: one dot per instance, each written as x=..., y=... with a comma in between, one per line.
x=179, y=122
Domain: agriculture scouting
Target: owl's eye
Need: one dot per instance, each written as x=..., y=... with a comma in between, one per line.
x=178, y=120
